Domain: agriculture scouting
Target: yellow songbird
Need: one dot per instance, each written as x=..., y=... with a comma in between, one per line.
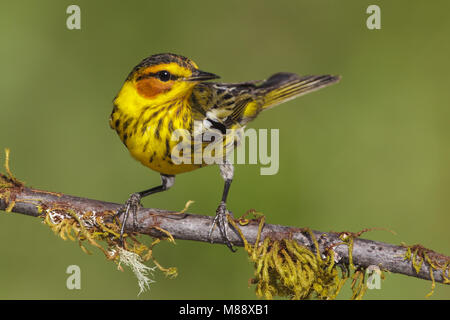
x=167, y=94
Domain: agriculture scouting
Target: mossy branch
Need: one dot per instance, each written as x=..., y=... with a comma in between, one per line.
x=347, y=248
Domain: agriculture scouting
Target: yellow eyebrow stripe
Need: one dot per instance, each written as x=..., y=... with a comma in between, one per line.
x=172, y=67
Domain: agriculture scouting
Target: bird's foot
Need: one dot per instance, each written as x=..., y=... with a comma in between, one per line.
x=222, y=223
x=131, y=206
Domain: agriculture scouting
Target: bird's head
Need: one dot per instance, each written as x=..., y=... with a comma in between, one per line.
x=167, y=76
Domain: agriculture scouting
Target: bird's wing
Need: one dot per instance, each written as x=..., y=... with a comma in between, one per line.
x=221, y=105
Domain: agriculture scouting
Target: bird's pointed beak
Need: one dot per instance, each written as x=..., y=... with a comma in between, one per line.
x=199, y=75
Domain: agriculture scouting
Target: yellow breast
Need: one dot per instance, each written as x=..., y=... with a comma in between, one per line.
x=147, y=129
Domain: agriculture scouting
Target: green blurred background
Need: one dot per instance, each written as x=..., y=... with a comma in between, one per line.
x=372, y=151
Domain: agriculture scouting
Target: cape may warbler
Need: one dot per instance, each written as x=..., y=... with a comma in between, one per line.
x=165, y=99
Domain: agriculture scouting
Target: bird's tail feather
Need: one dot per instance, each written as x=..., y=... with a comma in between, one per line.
x=284, y=86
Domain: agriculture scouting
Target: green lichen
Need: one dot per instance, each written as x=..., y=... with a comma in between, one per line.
x=99, y=229
x=418, y=255
x=7, y=183
x=284, y=268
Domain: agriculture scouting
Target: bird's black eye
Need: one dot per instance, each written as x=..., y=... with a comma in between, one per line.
x=164, y=75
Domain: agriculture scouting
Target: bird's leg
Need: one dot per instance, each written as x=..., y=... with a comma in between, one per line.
x=226, y=171
x=134, y=201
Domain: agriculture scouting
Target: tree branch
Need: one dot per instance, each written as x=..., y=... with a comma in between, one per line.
x=195, y=227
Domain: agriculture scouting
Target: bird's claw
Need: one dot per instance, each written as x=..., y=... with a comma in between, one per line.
x=132, y=205
x=221, y=221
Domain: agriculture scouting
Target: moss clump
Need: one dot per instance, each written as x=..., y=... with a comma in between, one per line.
x=418, y=254
x=7, y=183
x=284, y=268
